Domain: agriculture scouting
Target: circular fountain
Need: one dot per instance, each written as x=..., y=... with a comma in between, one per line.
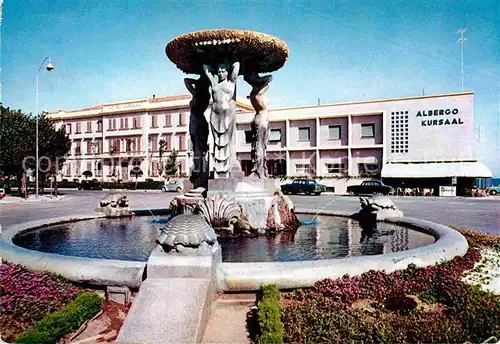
x=100, y=250
x=114, y=251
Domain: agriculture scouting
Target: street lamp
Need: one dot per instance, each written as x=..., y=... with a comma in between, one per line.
x=49, y=68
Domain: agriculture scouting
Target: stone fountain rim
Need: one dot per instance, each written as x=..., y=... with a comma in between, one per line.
x=236, y=276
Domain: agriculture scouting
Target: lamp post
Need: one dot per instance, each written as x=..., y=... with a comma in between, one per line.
x=49, y=67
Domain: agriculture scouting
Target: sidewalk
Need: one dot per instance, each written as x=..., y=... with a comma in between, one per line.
x=31, y=198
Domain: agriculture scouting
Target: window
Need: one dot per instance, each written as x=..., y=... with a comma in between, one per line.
x=98, y=146
x=154, y=168
x=334, y=132
x=368, y=130
x=182, y=119
x=78, y=169
x=89, y=147
x=168, y=120
x=99, y=126
x=182, y=142
x=114, y=146
x=89, y=166
x=153, y=143
x=133, y=144
x=112, y=124
x=137, y=123
x=304, y=134
x=274, y=135
x=78, y=148
x=78, y=128
x=335, y=168
x=303, y=168
x=248, y=136
x=99, y=169
x=137, y=142
x=68, y=169
x=68, y=128
x=168, y=142
x=89, y=126
x=154, y=121
x=368, y=170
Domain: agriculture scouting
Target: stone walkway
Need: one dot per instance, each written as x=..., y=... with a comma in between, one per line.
x=227, y=323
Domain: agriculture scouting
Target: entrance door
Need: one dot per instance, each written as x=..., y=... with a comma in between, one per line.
x=124, y=171
x=276, y=167
x=246, y=166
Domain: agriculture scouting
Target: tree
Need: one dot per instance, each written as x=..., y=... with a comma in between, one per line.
x=87, y=174
x=162, y=146
x=136, y=172
x=171, y=167
x=17, y=142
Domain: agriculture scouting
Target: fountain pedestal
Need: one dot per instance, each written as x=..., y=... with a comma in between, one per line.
x=257, y=206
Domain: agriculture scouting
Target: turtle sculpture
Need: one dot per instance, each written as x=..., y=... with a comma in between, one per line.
x=188, y=234
x=380, y=207
x=115, y=205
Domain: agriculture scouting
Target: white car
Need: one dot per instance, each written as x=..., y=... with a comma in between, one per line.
x=176, y=185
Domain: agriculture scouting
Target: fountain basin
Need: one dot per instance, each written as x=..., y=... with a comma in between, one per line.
x=243, y=276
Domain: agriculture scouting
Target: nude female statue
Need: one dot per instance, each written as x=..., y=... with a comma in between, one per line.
x=198, y=128
x=223, y=116
x=260, y=123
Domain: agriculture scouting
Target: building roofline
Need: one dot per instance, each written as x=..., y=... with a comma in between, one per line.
x=241, y=104
x=73, y=114
x=373, y=101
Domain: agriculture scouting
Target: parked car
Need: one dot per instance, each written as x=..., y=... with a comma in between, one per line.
x=89, y=185
x=370, y=187
x=494, y=190
x=307, y=186
x=2, y=193
x=176, y=185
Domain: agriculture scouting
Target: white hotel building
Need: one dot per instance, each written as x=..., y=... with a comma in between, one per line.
x=425, y=139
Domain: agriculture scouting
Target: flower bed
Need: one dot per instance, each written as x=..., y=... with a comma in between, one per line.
x=430, y=304
x=28, y=296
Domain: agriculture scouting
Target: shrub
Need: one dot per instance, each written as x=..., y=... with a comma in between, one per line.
x=269, y=314
x=56, y=325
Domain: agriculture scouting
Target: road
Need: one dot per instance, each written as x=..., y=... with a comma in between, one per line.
x=481, y=214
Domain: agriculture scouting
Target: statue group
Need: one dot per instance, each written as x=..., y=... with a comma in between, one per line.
x=219, y=84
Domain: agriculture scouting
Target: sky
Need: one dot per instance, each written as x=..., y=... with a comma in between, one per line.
x=109, y=50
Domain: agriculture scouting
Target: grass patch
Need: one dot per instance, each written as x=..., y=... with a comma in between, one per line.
x=56, y=325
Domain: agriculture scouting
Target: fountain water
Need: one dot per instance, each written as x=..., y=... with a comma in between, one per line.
x=313, y=220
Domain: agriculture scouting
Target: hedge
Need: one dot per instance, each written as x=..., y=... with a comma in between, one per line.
x=269, y=314
x=53, y=327
x=150, y=185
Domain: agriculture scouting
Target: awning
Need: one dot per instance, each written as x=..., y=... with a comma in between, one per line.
x=436, y=170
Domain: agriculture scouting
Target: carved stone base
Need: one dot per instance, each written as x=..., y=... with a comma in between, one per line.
x=185, y=204
x=268, y=185
x=262, y=207
x=116, y=212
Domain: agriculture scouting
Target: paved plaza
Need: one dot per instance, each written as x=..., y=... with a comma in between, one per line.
x=481, y=214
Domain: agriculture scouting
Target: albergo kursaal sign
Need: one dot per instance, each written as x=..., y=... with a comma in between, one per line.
x=440, y=117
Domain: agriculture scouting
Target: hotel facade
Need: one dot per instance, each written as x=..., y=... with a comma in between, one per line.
x=424, y=141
